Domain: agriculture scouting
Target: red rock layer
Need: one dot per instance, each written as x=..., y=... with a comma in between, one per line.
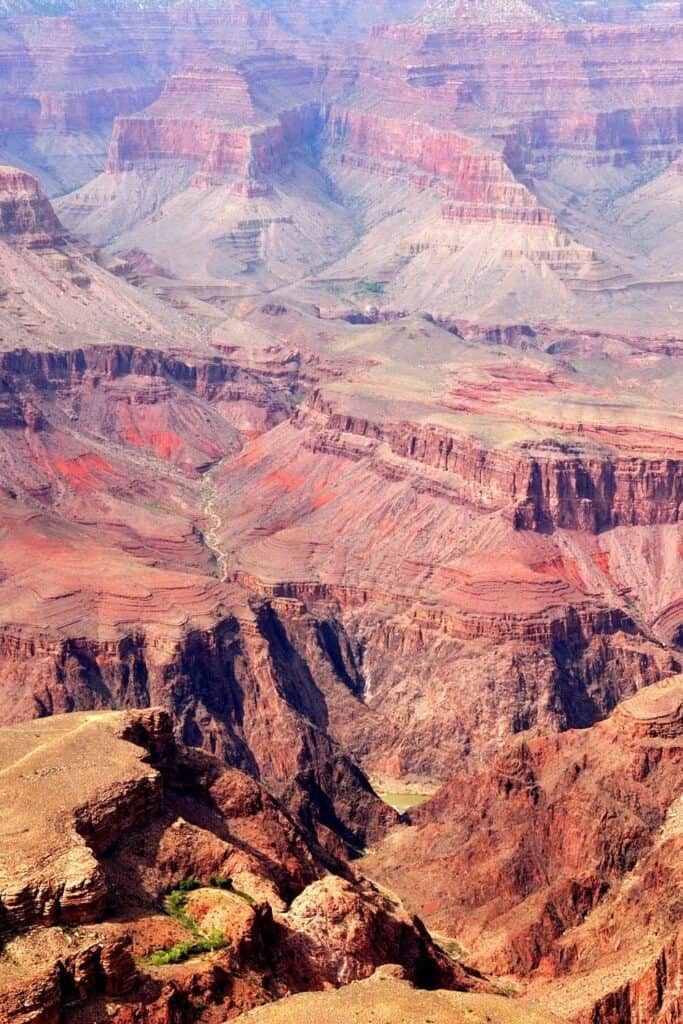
x=480, y=180
x=209, y=145
x=209, y=91
x=625, y=131
x=403, y=592
x=128, y=608
x=533, y=77
x=69, y=112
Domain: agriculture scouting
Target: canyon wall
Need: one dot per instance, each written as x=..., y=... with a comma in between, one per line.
x=542, y=489
x=206, y=116
x=479, y=180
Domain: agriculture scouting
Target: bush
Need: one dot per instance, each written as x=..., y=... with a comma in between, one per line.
x=174, y=905
x=219, y=882
x=188, y=885
x=182, y=951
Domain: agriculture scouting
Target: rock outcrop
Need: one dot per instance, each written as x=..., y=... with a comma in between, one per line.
x=207, y=118
x=26, y=215
x=468, y=123
x=545, y=489
x=477, y=183
x=129, y=815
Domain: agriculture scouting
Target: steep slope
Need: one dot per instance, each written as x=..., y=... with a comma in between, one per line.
x=433, y=503
x=563, y=847
x=103, y=451
x=125, y=607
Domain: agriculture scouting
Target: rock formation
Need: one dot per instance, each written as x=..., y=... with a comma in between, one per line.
x=130, y=816
x=25, y=211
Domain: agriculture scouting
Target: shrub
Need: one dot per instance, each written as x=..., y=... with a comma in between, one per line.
x=174, y=905
x=219, y=882
x=453, y=948
x=182, y=951
x=188, y=885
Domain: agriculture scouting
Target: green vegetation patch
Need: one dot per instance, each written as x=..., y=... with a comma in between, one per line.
x=182, y=951
x=453, y=948
x=175, y=906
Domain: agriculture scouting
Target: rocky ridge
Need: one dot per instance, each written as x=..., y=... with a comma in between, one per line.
x=558, y=487
x=132, y=816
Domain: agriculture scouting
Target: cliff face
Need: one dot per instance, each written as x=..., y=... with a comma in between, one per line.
x=178, y=130
x=472, y=118
x=218, y=604
x=262, y=95
x=555, y=488
x=233, y=690
x=222, y=119
x=202, y=648
x=247, y=480
x=417, y=569
x=25, y=212
x=479, y=181
x=575, y=846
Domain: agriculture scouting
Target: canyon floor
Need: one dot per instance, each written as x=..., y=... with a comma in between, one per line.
x=341, y=477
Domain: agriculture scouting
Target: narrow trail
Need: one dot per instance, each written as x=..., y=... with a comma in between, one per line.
x=54, y=742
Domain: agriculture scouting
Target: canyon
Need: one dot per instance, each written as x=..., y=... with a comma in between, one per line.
x=341, y=471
